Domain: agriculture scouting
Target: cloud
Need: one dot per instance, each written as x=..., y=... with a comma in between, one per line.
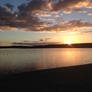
x=5, y=16
x=45, y=39
x=65, y=4
x=43, y=15
x=25, y=18
x=77, y=10
x=80, y=10
x=74, y=25
x=89, y=13
x=70, y=4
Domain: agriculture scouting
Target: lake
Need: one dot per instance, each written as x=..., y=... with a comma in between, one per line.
x=22, y=60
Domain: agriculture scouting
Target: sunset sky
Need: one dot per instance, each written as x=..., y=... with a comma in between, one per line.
x=57, y=21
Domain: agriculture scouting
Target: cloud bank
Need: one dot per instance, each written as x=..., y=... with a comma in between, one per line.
x=44, y=15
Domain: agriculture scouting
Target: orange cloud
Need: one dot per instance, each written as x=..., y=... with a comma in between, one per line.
x=89, y=13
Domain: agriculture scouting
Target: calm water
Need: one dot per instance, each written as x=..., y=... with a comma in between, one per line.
x=20, y=60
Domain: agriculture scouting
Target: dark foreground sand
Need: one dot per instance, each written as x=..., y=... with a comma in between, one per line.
x=70, y=79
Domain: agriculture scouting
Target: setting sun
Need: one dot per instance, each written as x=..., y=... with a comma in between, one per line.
x=69, y=42
x=71, y=39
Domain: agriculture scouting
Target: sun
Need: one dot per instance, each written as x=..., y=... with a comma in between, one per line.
x=69, y=42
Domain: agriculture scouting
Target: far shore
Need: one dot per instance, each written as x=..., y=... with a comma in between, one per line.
x=79, y=45
x=69, y=79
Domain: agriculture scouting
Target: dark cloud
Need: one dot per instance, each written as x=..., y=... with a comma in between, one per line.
x=69, y=6
x=79, y=23
x=10, y=6
x=45, y=39
x=25, y=17
x=64, y=4
x=6, y=17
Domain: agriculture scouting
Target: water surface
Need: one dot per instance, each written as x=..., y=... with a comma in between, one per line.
x=21, y=60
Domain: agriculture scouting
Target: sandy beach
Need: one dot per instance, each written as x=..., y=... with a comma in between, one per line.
x=75, y=79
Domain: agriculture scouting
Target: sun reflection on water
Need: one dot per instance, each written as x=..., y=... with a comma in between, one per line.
x=34, y=59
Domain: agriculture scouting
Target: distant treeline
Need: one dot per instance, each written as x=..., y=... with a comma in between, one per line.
x=82, y=45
